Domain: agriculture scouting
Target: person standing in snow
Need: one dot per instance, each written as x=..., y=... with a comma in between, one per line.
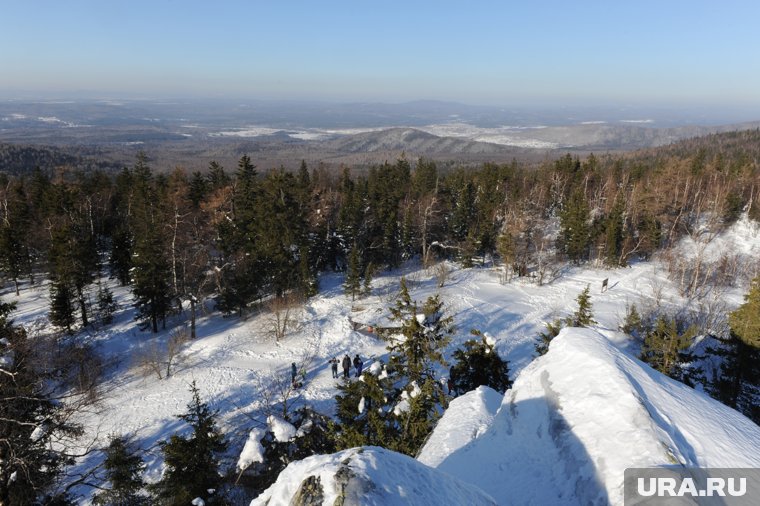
x=346, y=363
x=334, y=367
x=358, y=364
x=293, y=373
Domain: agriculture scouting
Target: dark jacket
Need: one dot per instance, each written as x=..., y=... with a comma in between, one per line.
x=346, y=363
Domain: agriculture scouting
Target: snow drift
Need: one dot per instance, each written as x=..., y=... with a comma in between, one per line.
x=367, y=476
x=577, y=417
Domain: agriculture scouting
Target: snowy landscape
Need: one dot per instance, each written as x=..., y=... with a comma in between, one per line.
x=564, y=433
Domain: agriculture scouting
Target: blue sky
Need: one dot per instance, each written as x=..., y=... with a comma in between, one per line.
x=666, y=52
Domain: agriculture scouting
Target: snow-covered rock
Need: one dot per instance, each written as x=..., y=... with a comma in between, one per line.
x=283, y=431
x=253, y=450
x=467, y=417
x=577, y=417
x=368, y=476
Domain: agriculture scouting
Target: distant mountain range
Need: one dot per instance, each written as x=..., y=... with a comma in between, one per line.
x=193, y=134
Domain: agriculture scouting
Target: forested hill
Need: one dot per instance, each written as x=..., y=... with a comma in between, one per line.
x=19, y=159
x=739, y=148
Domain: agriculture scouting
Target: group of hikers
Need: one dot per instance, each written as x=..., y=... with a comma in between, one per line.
x=346, y=364
x=358, y=363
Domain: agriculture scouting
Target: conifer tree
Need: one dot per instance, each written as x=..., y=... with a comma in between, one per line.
x=150, y=279
x=217, y=177
x=192, y=463
x=150, y=267
x=506, y=246
x=73, y=259
x=583, y=316
x=198, y=189
x=633, y=323
x=478, y=364
x=308, y=275
x=737, y=383
x=106, y=304
x=364, y=412
x=369, y=273
x=575, y=233
x=123, y=467
x=425, y=333
x=545, y=337
x=352, y=283
x=614, y=233
x=62, y=305
x=745, y=321
x=664, y=344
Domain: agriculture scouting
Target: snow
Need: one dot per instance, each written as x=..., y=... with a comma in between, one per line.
x=403, y=405
x=375, y=368
x=38, y=433
x=283, y=431
x=372, y=476
x=577, y=417
x=198, y=502
x=504, y=135
x=360, y=408
x=253, y=451
x=466, y=418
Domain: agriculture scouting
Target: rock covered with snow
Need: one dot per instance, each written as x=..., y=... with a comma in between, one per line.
x=253, y=450
x=577, y=417
x=368, y=476
x=467, y=417
x=283, y=431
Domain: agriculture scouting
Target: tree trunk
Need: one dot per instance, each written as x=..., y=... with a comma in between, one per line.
x=82, y=306
x=15, y=284
x=154, y=323
x=192, y=317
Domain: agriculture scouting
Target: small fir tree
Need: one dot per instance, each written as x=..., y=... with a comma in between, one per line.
x=545, y=337
x=478, y=364
x=583, y=317
x=632, y=324
x=664, y=344
x=123, y=468
x=106, y=304
x=192, y=463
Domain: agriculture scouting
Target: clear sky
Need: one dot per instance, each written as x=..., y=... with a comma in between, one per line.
x=659, y=52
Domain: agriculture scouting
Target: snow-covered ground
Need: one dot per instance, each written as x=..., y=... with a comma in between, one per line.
x=237, y=364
